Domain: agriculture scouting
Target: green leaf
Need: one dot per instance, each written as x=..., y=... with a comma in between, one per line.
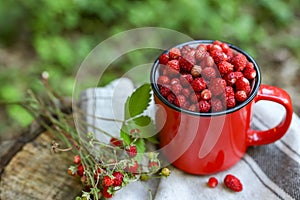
x=125, y=136
x=145, y=125
x=142, y=120
x=138, y=101
x=140, y=145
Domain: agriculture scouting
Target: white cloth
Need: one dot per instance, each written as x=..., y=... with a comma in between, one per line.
x=267, y=172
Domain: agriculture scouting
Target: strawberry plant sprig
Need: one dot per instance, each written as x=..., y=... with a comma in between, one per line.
x=109, y=166
x=137, y=126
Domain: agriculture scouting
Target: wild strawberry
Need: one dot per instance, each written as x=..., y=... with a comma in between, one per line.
x=176, y=88
x=198, y=84
x=106, y=192
x=239, y=61
x=240, y=95
x=194, y=107
x=80, y=170
x=163, y=59
x=200, y=54
x=76, y=159
x=164, y=71
x=132, y=167
x=180, y=100
x=204, y=106
x=229, y=91
x=186, y=63
x=174, y=81
x=163, y=80
x=185, y=50
x=208, y=47
x=217, y=86
x=231, y=77
x=186, y=105
x=131, y=151
x=186, y=92
x=216, y=105
x=186, y=79
x=195, y=97
x=153, y=166
x=218, y=56
x=249, y=73
x=217, y=42
x=229, y=55
x=196, y=70
x=174, y=53
x=116, y=142
x=165, y=172
x=208, y=73
x=202, y=47
x=118, y=178
x=242, y=84
x=230, y=101
x=87, y=188
x=72, y=170
x=225, y=47
x=171, y=98
x=250, y=65
x=216, y=47
x=191, y=52
x=83, y=179
x=206, y=94
x=173, y=67
x=233, y=183
x=135, y=132
x=212, y=182
x=208, y=61
x=165, y=91
x=225, y=67
x=107, y=181
x=188, y=60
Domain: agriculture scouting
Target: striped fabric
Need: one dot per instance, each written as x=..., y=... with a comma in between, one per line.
x=267, y=172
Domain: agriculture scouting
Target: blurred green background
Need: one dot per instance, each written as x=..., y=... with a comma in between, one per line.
x=56, y=35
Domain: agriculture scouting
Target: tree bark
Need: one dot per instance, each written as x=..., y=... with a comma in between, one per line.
x=29, y=170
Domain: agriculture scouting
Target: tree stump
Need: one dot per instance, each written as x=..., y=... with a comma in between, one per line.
x=29, y=170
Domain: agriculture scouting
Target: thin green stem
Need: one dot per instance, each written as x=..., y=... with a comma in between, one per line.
x=96, y=128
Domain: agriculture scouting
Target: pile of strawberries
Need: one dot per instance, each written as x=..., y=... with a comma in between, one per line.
x=205, y=78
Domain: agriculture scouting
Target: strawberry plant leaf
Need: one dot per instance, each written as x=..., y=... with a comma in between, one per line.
x=138, y=101
x=142, y=121
x=145, y=125
x=140, y=145
x=125, y=136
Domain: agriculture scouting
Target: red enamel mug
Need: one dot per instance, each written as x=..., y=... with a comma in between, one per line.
x=206, y=143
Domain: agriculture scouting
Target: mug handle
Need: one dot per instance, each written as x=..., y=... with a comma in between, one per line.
x=278, y=95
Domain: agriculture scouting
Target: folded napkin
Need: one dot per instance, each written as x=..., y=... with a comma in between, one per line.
x=267, y=172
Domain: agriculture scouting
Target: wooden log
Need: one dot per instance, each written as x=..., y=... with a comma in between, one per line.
x=10, y=145
x=34, y=172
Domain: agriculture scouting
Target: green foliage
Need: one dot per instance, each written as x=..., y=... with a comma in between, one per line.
x=135, y=106
x=61, y=33
x=138, y=102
